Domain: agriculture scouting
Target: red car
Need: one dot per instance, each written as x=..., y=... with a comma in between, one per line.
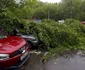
x=14, y=51
x=83, y=22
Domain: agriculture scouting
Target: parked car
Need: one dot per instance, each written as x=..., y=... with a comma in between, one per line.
x=14, y=51
x=83, y=22
x=33, y=41
x=61, y=21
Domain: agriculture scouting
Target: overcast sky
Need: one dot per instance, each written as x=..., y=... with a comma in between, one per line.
x=50, y=1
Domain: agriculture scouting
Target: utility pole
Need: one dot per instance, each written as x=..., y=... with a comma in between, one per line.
x=48, y=14
x=70, y=8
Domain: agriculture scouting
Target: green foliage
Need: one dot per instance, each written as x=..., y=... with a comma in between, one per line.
x=12, y=14
x=25, y=9
x=55, y=35
x=46, y=10
x=60, y=11
x=9, y=24
x=48, y=21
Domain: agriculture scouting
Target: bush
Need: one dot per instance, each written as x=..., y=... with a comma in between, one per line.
x=48, y=21
x=52, y=34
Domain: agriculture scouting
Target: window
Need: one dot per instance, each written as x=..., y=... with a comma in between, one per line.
x=2, y=35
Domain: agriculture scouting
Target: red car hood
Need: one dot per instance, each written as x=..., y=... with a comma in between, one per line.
x=10, y=44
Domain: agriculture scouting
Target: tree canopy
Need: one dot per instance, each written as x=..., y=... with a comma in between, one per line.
x=62, y=10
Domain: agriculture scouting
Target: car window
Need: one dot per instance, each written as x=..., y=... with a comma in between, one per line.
x=2, y=35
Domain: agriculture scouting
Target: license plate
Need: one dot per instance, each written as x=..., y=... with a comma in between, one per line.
x=23, y=56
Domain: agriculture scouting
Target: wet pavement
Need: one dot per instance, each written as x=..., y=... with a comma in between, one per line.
x=33, y=63
x=66, y=62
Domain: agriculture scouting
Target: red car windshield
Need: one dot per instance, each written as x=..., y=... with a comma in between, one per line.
x=2, y=35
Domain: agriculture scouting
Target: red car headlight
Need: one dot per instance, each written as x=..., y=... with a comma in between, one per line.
x=4, y=56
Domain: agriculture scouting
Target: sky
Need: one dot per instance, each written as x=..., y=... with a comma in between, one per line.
x=51, y=1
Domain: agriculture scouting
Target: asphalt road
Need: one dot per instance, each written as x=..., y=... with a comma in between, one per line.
x=66, y=62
